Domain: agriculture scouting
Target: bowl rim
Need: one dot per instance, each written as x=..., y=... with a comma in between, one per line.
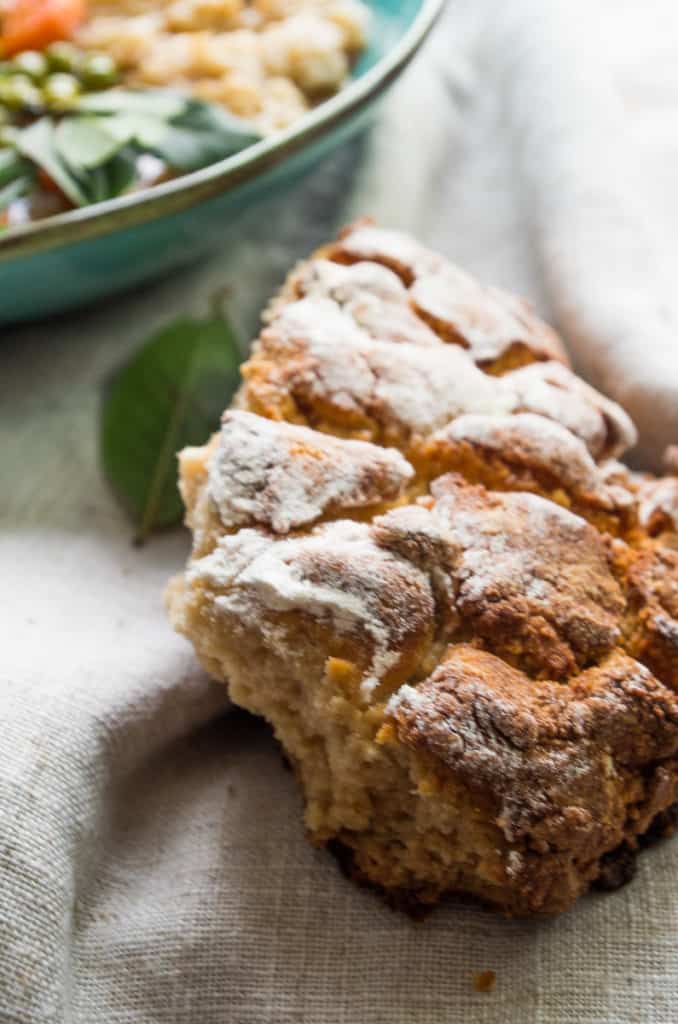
x=186, y=191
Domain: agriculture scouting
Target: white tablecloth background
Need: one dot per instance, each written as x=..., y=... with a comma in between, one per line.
x=152, y=860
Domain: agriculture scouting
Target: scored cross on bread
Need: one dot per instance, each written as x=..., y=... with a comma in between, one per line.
x=415, y=555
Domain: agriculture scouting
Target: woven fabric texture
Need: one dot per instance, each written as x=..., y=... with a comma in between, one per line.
x=153, y=866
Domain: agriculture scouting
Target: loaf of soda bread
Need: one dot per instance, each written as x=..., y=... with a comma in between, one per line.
x=416, y=555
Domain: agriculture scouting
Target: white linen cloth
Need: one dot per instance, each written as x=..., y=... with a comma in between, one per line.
x=153, y=866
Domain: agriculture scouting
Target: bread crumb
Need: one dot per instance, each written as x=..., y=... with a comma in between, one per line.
x=485, y=981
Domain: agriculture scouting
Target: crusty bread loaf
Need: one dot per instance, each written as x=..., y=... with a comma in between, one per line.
x=416, y=556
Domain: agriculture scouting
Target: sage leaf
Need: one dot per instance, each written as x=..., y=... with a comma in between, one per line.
x=121, y=172
x=96, y=185
x=144, y=129
x=11, y=166
x=208, y=117
x=181, y=150
x=170, y=395
x=37, y=144
x=112, y=178
x=185, y=150
x=154, y=102
x=16, y=177
x=85, y=142
x=14, y=190
x=201, y=135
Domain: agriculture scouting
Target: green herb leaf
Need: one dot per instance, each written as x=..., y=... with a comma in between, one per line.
x=201, y=135
x=208, y=117
x=144, y=129
x=85, y=142
x=91, y=155
x=170, y=395
x=121, y=171
x=112, y=178
x=15, y=190
x=154, y=102
x=9, y=165
x=12, y=166
x=96, y=185
x=16, y=177
x=37, y=143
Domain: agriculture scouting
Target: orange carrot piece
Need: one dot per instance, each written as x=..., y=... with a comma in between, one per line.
x=47, y=183
x=34, y=24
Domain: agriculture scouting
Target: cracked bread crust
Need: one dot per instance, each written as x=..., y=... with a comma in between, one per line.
x=425, y=569
x=528, y=452
x=335, y=588
x=283, y=477
x=538, y=748
x=313, y=365
x=651, y=581
x=556, y=766
x=499, y=330
x=528, y=579
x=372, y=296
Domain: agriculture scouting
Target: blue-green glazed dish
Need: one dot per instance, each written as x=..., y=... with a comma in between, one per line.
x=75, y=258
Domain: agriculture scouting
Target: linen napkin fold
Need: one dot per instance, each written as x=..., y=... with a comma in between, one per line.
x=599, y=254
x=153, y=866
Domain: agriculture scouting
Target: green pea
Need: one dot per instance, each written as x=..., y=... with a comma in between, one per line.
x=64, y=57
x=31, y=63
x=60, y=90
x=18, y=92
x=99, y=71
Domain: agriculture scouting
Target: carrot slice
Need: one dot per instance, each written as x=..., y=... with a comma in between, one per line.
x=47, y=183
x=34, y=24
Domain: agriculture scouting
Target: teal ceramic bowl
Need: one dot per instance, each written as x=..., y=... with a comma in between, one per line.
x=75, y=258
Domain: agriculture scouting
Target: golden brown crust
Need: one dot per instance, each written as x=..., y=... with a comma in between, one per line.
x=527, y=452
x=424, y=568
x=556, y=766
x=334, y=588
x=311, y=365
x=650, y=578
x=326, y=356
x=658, y=505
x=370, y=294
x=528, y=579
x=500, y=331
x=539, y=749
x=550, y=389
x=282, y=477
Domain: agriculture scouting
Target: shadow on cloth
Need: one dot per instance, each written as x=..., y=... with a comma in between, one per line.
x=209, y=905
